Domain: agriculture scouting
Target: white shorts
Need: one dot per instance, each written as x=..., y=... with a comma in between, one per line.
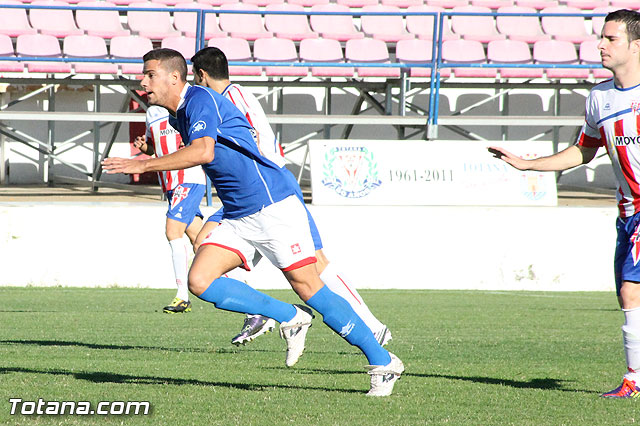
x=280, y=232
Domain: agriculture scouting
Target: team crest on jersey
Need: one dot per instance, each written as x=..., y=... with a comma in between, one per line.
x=350, y=171
x=295, y=249
x=198, y=126
x=179, y=194
x=635, y=107
x=635, y=249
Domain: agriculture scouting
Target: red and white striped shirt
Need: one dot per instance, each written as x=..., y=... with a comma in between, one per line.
x=612, y=120
x=166, y=141
x=252, y=110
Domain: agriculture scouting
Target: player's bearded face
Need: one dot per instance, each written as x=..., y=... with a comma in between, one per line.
x=156, y=82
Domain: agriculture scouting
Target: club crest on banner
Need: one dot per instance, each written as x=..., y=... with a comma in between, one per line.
x=350, y=171
x=532, y=183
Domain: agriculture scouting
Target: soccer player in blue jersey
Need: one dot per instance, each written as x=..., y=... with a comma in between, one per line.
x=261, y=213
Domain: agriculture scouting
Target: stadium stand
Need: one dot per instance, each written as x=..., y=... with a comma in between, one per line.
x=154, y=25
x=238, y=50
x=100, y=23
x=570, y=28
x=55, y=22
x=558, y=52
x=262, y=3
x=42, y=46
x=513, y=52
x=184, y=45
x=402, y=3
x=130, y=47
x=422, y=25
x=467, y=52
x=308, y=3
x=278, y=50
x=324, y=50
x=186, y=22
x=293, y=27
x=415, y=51
x=14, y=22
x=88, y=46
x=6, y=49
x=239, y=25
x=478, y=28
x=337, y=27
x=388, y=28
x=523, y=28
x=372, y=51
x=357, y=3
x=589, y=55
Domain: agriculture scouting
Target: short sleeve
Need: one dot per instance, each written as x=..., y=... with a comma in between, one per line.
x=590, y=136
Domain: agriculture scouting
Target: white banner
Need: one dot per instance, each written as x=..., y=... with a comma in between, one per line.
x=413, y=172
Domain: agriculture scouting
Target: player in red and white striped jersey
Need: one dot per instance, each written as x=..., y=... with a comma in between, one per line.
x=184, y=189
x=612, y=120
x=211, y=69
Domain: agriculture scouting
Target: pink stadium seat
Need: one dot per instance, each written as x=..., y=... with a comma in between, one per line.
x=386, y=28
x=537, y=4
x=14, y=22
x=236, y=49
x=324, y=50
x=467, y=51
x=416, y=51
x=357, y=3
x=124, y=2
x=169, y=2
x=402, y=3
x=58, y=23
x=373, y=51
x=479, y=28
x=422, y=26
x=278, y=50
x=624, y=4
x=590, y=55
x=86, y=46
x=587, y=5
x=558, y=52
x=569, y=28
x=597, y=22
x=130, y=47
x=186, y=22
x=6, y=49
x=41, y=45
x=337, y=27
x=101, y=23
x=247, y=26
x=492, y=4
x=523, y=28
x=512, y=52
x=184, y=45
x=447, y=4
x=293, y=27
x=262, y=3
x=216, y=2
x=308, y=3
x=152, y=25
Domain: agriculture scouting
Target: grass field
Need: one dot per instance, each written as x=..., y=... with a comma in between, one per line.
x=481, y=358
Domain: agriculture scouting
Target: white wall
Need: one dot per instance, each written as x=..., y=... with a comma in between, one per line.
x=491, y=248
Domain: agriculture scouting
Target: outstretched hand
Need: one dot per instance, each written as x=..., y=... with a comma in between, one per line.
x=508, y=157
x=114, y=165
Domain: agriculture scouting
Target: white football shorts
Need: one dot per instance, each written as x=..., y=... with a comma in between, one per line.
x=279, y=231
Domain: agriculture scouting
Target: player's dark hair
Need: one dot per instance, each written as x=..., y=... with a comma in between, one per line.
x=630, y=18
x=213, y=61
x=170, y=59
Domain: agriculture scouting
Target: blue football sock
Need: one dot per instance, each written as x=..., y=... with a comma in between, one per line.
x=341, y=318
x=236, y=296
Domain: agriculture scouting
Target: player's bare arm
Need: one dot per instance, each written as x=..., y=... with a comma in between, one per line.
x=573, y=156
x=200, y=151
x=141, y=143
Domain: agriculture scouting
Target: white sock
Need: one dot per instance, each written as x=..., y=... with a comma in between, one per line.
x=631, y=337
x=180, y=259
x=338, y=284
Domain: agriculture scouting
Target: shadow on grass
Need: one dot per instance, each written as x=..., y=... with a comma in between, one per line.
x=106, y=377
x=543, y=384
x=122, y=347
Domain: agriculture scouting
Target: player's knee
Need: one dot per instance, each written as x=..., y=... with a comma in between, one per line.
x=199, y=282
x=630, y=295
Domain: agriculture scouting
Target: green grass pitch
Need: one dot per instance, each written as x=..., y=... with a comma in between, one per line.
x=471, y=357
